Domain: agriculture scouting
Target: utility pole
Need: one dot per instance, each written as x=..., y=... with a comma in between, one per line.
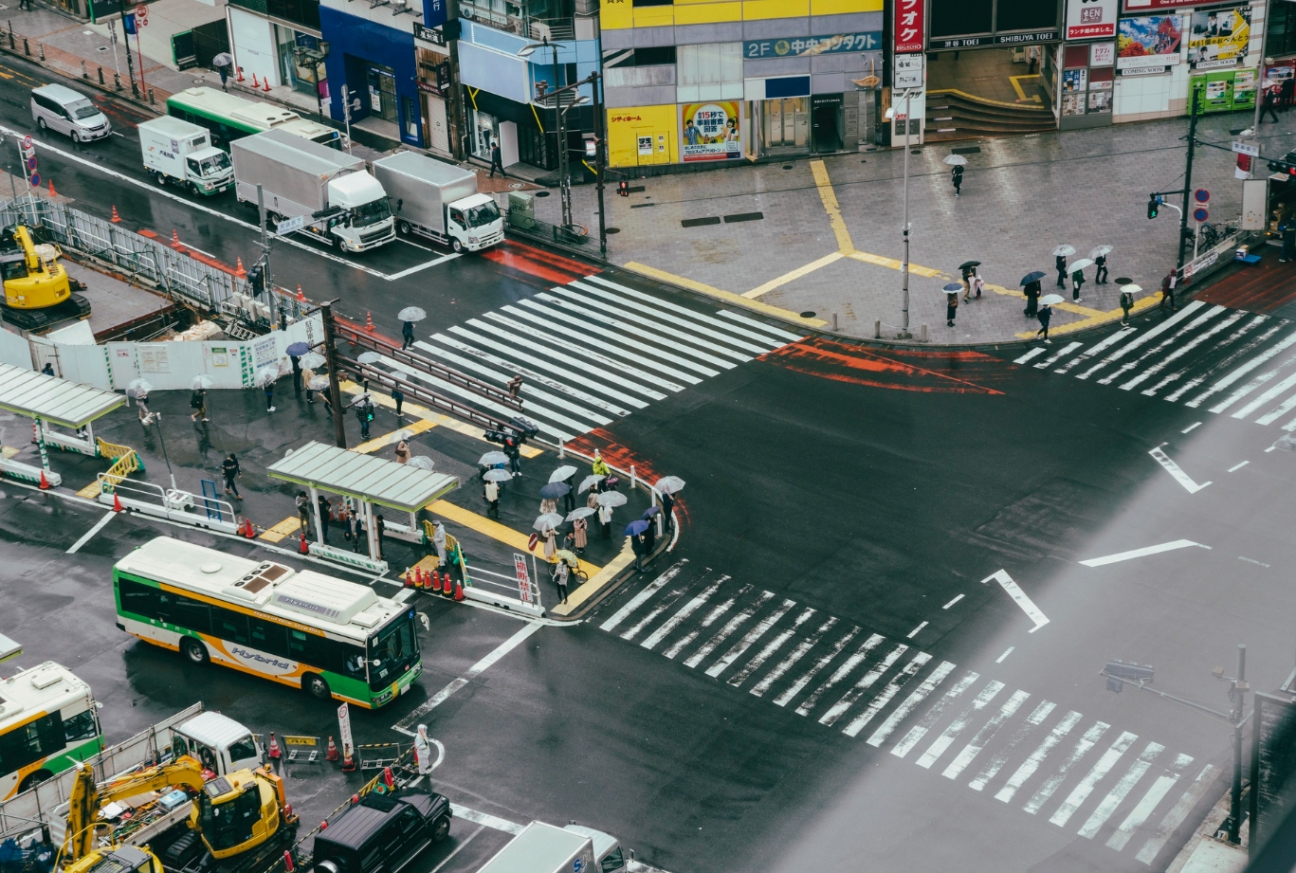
x=130, y=66
x=1187, y=190
x=335, y=388
x=455, y=117
x=600, y=160
x=1238, y=695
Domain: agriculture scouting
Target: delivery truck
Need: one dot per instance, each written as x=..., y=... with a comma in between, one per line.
x=331, y=192
x=176, y=152
x=545, y=848
x=439, y=201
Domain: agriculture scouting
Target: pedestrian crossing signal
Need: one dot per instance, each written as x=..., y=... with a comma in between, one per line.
x=1119, y=672
x=1154, y=206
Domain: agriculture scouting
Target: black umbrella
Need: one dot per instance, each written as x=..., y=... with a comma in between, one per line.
x=967, y=265
x=1032, y=277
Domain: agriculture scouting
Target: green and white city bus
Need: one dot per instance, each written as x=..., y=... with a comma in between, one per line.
x=48, y=723
x=330, y=637
x=229, y=117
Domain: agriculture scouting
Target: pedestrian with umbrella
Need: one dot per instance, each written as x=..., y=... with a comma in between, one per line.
x=951, y=302
x=668, y=487
x=364, y=412
x=1077, y=277
x=222, y=62
x=139, y=389
x=402, y=450
x=1099, y=256
x=1045, y=315
x=650, y=532
x=408, y=316
x=1060, y=254
x=490, y=492
x=580, y=528
x=1127, y=301
x=635, y=530
x=560, y=579
x=295, y=352
x=956, y=172
x=607, y=501
x=1032, y=290
x=303, y=511
x=198, y=403
x=266, y=378
x=398, y=397
x=969, y=270
x=566, y=475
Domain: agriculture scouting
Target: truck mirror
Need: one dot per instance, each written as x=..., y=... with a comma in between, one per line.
x=400, y=201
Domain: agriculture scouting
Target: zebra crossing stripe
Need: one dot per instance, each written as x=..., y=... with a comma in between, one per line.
x=984, y=735
x=1034, y=720
x=783, y=666
x=663, y=604
x=1142, y=339
x=1258, y=361
x=689, y=608
x=1232, y=358
x=838, y=709
x=1182, y=350
x=1086, y=742
x=1120, y=790
x=1267, y=396
x=918, y=731
x=877, y=704
x=770, y=648
x=1278, y=412
x=842, y=671
x=639, y=599
x=1057, y=356
x=1033, y=353
x=1168, y=341
x=1081, y=792
x=712, y=617
x=805, y=678
x=1176, y=815
x=1139, y=814
x=928, y=685
x=1118, y=336
x=763, y=335
x=727, y=631
x=956, y=727
x=762, y=627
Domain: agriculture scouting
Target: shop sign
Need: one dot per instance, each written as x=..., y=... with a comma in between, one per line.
x=1091, y=19
x=1219, y=37
x=909, y=71
x=1149, y=41
x=910, y=27
x=1148, y=5
x=433, y=35
x=963, y=42
x=1102, y=54
x=435, y=12
x=710, y=132
x=809, y=46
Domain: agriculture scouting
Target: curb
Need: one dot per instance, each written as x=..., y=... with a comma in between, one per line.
x=612, y=585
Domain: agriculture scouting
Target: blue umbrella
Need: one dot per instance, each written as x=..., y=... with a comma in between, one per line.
x=651, y=511
x=952, y=287
x=1032, y=277
x=296, y=350
x=636, y=527
x=554, y=490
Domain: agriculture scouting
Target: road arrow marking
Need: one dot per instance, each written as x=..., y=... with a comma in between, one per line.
x=1175, y=470
x=1014, y=591
x=1140, y=553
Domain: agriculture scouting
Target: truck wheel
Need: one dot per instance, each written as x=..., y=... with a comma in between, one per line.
x=160, y=179
x=441, y=829
x=340, y=244
x=404, y=229
x=31, y=780
x=194, y=651
x=316, y=687
x=458, y=246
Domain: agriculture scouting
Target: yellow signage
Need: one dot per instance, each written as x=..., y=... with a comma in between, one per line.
x=301, y=741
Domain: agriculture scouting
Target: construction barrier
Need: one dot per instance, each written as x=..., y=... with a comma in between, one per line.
x=172, y=504
x=296, y=745
x=376, y=756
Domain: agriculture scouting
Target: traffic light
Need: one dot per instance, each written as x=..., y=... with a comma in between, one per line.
x=1116, y=671
x=1154, y=205
x=623, y=188
x=256, y=280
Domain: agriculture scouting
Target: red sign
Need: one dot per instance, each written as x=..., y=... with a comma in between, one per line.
x=1148, y=5
x=523, y=578
x=531, y=543
x=910, y=28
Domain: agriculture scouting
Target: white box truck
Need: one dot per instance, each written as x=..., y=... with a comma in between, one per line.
x=176, y=152
x=331, y=191
x=439, y=201
x=546, y=848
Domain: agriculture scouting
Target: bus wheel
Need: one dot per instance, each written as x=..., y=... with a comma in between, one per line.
x=194, y=651
x=34, y=779
x=316, y=687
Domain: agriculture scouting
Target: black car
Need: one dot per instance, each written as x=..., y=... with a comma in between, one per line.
x=382, y=833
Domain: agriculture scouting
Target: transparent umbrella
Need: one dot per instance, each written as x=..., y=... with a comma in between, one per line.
x=492, y=459
x=411, y=313
x=200, y=383
x=497, y=476
x=669, y=485
x=312, y=360
x=612, y=498
x=1100, y=252
x=421, y=462
x=138, y=388
x=267, y=375
x=554, y=490
x=588, y=481
x=1064, y=251
x=1050, y=299
x=563, y=473
x=1079, y=265
x=548, y=521
x=369, y=358
x=224, y=59
x=318, y=383
x=955, y=160
x=580, y=512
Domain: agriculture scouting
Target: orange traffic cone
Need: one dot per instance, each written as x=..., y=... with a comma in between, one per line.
x=44, y=483
x=116, y=219
x=331, y=754
x=409, y=577
x=447, y=587
x=240, y=75
x=427, y=580
x=247, y=529
x=175, y=239
x=53, y=193
x=117, y=504
x=274, y=752
x=459, y=595
x=301, y=298
x=256, y=86
x=303, y=548
x=369, y=325
x=265, y=84
x=387, y=777
x=436, y=583
x=239, y=271
x=348, y=762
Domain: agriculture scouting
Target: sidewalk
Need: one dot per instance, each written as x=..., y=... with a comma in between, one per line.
x=822, y=238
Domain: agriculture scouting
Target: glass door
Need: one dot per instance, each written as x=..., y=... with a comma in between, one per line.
x=786, y=123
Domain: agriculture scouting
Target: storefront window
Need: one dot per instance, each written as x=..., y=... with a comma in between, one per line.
x=786, y=123
x=485, y=131
x=1281, y=36
x=709, y=72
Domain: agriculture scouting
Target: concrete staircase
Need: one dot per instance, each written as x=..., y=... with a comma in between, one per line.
x=954, y=114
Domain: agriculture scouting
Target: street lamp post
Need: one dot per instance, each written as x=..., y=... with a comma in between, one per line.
x=156, y=418
x=904, y=264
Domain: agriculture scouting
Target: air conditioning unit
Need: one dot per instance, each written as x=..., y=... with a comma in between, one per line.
x=540, y=31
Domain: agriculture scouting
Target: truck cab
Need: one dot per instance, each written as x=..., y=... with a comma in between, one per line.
x=608, y=854
x=475, y=223
x=218, y=742
x=362, y=218
x=382, y=833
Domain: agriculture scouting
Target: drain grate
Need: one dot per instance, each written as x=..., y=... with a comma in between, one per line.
x=611, y=230
x=809, y=313
x=787, y=166
x=635, y=189
x=968, y=150
x=700, y=222
x=641, y=205
x=743, y=216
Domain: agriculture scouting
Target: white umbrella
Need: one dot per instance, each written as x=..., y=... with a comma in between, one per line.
x=955, y=160
x=669, y=485
x=497, y=476
x=580, y=512
x=369, y=358
x=1100, y=252
x=200, y=383
x=491, y=459
x=138, y=388
x=1079, y=265
x=588, y=481
x=224, y=59
x=548, y=521
x=411, y=313
x=421, y=462
x=267, y=375
x=612, y=498
x=563, y=473
x=1050, y=299
x=312, y=360
x=318, y=383
x=1132, y=288
x=1064, y=251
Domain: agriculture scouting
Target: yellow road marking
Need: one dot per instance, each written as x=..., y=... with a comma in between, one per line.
x=494, y=530
x=603, y=577
x=727, y=296
x=9, y=451
x=893, y=264
x=1096, y=319
x=1021, y=93
x=795, y=274
x=391, y=439
x=282, y=530
x=829, y=198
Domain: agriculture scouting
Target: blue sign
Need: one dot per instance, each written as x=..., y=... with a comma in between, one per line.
x=577, y=865
x=807, y=46
x=435, y=12
x=128, y=23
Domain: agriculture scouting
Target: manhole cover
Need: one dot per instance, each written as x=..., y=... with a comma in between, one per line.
x=787, y=166
x=915, y=151
x=104, y=48
x=515, y=185
x=542, y=193
x=611, y=230
x=809, y=313
x=1121, y=280
x=865, y=161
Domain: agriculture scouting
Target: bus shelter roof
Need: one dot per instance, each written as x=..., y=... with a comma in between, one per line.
x=54, y=400
x=365, y=477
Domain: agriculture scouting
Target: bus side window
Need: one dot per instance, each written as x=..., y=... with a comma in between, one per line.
x=80, y=726
x=143, y=600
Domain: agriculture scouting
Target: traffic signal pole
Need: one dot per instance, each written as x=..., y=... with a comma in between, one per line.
x=1187, y=189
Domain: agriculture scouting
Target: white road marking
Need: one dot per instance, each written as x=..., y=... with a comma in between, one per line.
x=770, y=648
x=90, y=534
x=486, y=820
x=913, y=633
x=739, y=648
x=918, y=731
x=1277, y=412
x=1082, y=747
x=1238, y=466
x=1081, y=792
x=655, y=311
x=959, y=724
x=1241, y=371
x=1139, y=814
x=1120, y=790
x=1143, y=552
x=1228, y=361
x=712, y=617
x=1019, y=597
x=805, y=678
x=1273, y=393
x=1008, y=651
x=1175, y=470
x=417, y=269
x=1031, y=764
x=663, y=604
x=877, y=704
x=1165, y=343
x=1191, y=427
x=742, y=319
x=985, y=735
x=727, y=631
x=1122, y=334
x=1182, y=350
x=762, y=334
x=462, y=843
x=688, y=609
x=1057, y=356
x=1034, y=720
x=1033, y=353
x=1176, y=815
x=783, y=666
x=1252, y=561
x=649, y=590
x=867, y=681
x=403, y=726
x=1141, y=339
x=952, y=602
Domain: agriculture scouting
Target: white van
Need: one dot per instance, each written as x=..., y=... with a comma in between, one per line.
x=220, y=744
x=55, y=107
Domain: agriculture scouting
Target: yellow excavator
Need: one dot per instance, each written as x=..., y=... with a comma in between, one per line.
x=37, y=290
x=242, y=819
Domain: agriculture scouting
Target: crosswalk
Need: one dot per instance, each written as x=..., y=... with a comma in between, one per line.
x=592, y=351
x=1225, y=361
x=1103, y=784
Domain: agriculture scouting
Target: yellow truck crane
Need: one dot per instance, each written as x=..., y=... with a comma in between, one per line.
x=37, y=291
x=239, y=822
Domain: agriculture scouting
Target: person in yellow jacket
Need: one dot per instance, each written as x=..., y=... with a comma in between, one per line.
x=600, y=467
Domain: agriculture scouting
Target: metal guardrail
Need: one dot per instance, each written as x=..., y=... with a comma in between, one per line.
x=361, y=373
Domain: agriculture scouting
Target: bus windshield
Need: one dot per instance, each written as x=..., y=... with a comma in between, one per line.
x=393, y=651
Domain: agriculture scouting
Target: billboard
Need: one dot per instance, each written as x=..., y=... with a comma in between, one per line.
x=1090, y=19
x=710, y=131
x=1149, y=41
x=1219, y=37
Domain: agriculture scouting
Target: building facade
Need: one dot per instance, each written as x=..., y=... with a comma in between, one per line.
x=279, y=41
x=711, y=82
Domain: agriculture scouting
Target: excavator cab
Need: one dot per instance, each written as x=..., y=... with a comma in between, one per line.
x=240, y=811
x=37, y=291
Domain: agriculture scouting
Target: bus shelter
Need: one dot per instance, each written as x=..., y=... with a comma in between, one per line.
x=366, y=482
x=50, y=400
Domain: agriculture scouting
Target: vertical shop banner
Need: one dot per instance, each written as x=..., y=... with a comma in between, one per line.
x=1091, y=19
x=1149, y=41
x=910, y=28
x=710, y=132
x=1219, y=37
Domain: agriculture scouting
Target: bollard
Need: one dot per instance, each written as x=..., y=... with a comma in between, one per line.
x=561, y=453
x=877, y=328
x=922, y=333
x=26, y=47
x=85, y=74
x=40, y=50
x=11, y=39
x=101, y=78
x=834, y=321
x=151, y=101
x=633, y=479
x=117, y=81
